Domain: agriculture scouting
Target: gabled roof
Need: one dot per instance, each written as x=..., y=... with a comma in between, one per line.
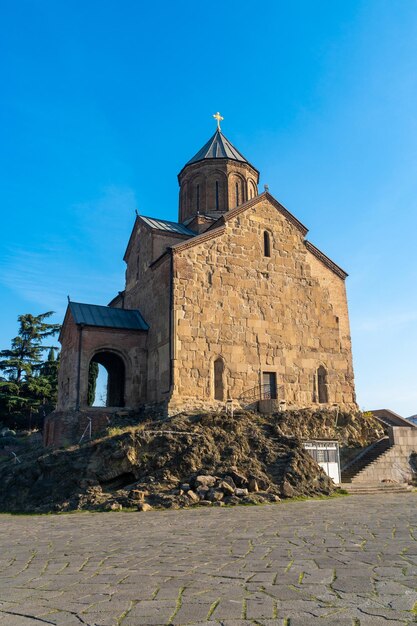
x=167, y=226
x=153, y=223
x=218, y=147
x=218, y=228
x=107, y=317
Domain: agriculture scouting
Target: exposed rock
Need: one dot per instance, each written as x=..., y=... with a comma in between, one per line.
x=137, y=494
x=205, y=481
x=239, y=479
x=143, y=506
x=229, y=480
x=287, y=490
x=204, y=458
x=215, y=495
x=273, y=498
x=232, y=500
x=114, y=506
x=192, y=496
x=226, y=487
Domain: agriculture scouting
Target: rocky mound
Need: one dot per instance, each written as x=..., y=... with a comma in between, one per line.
x=351, y=430
x=206, y=459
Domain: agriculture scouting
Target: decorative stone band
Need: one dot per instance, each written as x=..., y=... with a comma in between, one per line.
x=206, y=236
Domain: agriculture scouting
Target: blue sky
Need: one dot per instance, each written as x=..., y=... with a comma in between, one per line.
x=103, y=102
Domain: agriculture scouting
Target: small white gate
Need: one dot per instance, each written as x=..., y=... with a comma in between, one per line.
x=326, y=454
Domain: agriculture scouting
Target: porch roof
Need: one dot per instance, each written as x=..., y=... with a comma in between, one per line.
x=107, y=317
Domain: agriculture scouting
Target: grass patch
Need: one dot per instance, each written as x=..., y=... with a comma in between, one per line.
x=332, y=496
x=213, y=608
x=178, y=604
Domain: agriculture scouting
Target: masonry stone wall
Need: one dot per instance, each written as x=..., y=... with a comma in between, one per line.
x=161, y=241
x=336, y=293
x=129, y=345
x=282, y=314
x=237, y=182
x=148, y=289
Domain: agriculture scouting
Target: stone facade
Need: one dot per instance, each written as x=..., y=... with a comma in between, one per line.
x=235, y=299
x=81, y=344
x=284, y=314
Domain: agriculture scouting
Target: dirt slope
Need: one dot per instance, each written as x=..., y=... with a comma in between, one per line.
x=208, y=459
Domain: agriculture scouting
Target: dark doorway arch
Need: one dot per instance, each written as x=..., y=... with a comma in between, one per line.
x=115, y=368
x=322, y=385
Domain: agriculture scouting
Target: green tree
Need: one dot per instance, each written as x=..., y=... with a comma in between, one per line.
x=92, y=383
x=29, y=383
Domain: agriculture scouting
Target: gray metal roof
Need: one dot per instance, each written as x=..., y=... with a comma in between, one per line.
x=107, y=317
x=167, y=226
x=218, y=147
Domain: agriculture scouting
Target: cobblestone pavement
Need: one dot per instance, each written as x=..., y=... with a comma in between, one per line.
x=346, y=561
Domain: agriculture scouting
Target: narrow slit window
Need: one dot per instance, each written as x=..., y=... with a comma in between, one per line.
x=217, y=195
x=237, y=194
x=219, y=379
x=267, y=244
x=198, y=197
x=322, y=385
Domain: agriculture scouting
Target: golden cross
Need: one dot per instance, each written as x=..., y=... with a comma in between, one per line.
x=219, y=118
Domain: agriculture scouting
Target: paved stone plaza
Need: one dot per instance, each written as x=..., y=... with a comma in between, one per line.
x=346, y=561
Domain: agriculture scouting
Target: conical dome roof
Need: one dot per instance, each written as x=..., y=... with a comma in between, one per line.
x=218, y=147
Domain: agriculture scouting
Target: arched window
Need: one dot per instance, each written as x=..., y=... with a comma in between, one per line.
x=322, y=385
x=252, y=191
x=217, y=195
x=267, y=243
x=237, y=194
x=106, y=380
x=219, y=379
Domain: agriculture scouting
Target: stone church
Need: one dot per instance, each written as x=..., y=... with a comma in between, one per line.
x=229, y=303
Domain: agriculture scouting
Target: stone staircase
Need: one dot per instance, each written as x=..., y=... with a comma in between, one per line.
x=369, y=488
x=365, y=458
x=384, y=466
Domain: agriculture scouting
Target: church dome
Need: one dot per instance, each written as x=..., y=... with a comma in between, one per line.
x=218, y=147
x=216, y=179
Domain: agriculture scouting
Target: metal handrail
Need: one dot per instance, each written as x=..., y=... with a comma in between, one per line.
x=364, y=453
x=259, y=392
